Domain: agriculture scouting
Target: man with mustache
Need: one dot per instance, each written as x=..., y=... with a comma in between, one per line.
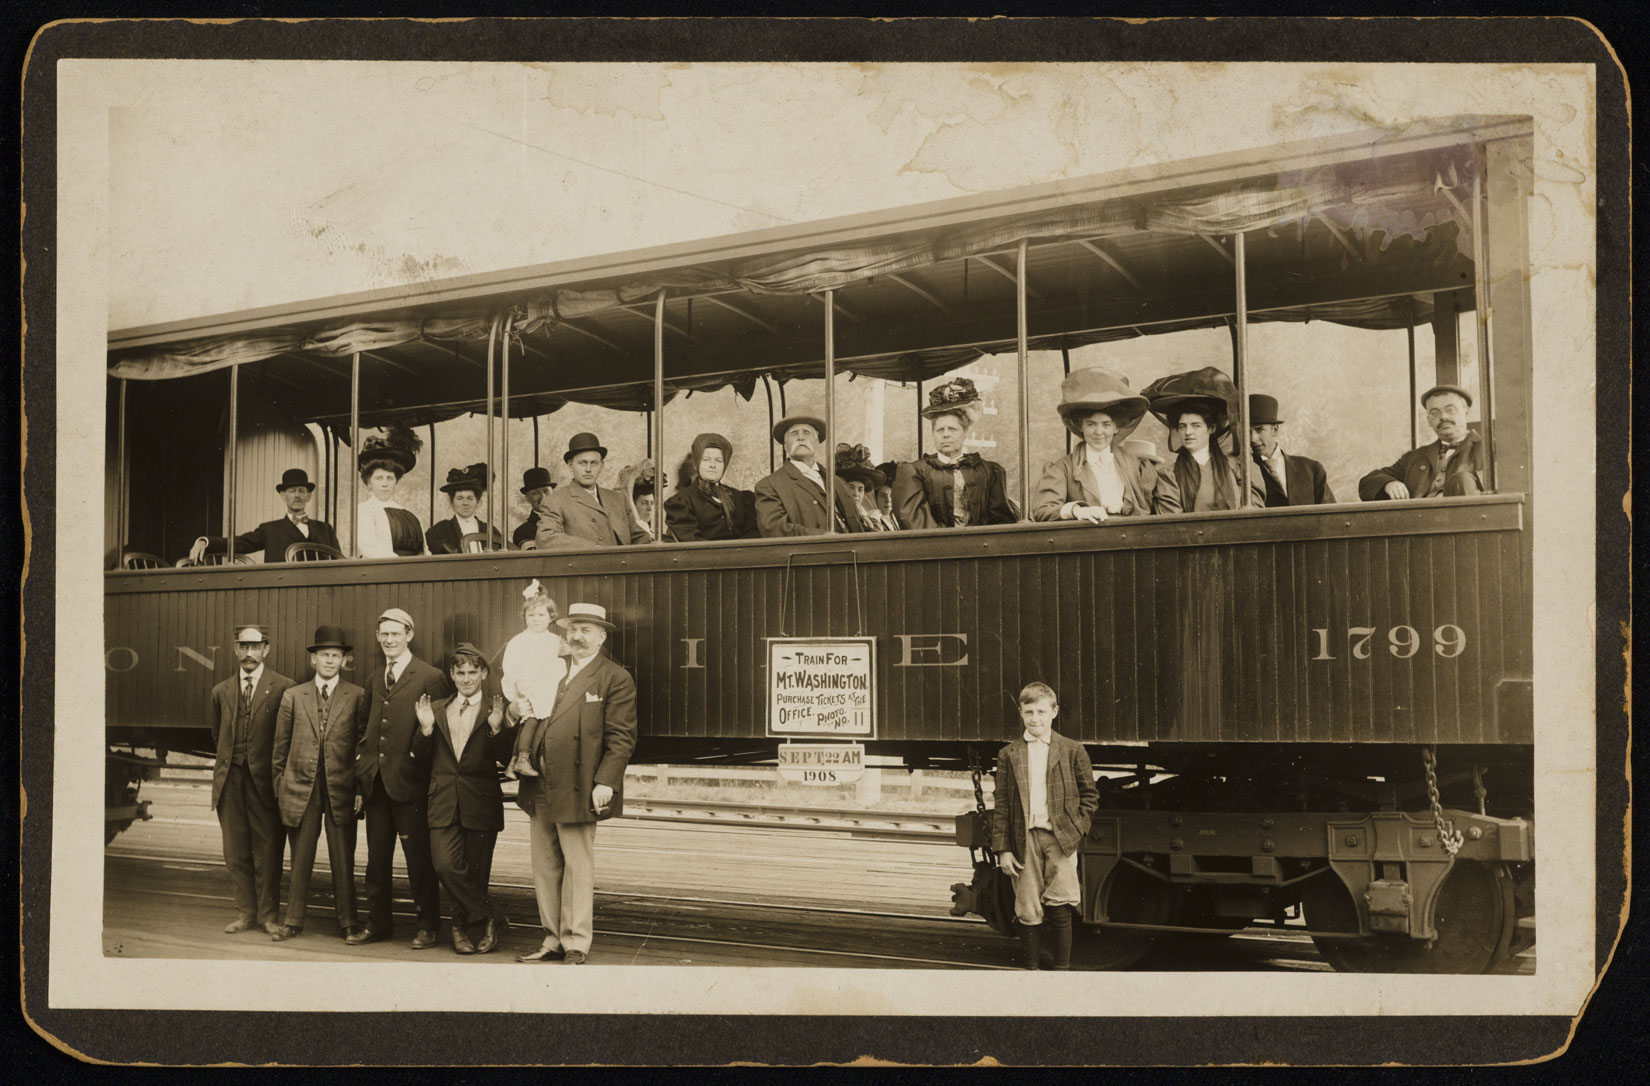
x=1449, y=467
x=792, y=500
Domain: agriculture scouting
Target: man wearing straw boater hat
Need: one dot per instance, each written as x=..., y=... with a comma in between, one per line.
x=536, y=486
x=1290, y=480
x=273, y=537
x=464, y=488
x=1098, y=479
x=316, y=732
x=582, y=512
x=792, y=500
x=241, y=713
x=580, y=754
x=1449, y=467
x=949, y=488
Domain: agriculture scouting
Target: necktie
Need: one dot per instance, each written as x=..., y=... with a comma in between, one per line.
x=300, y=518
x=246, y=697
x=1446, y=453
x=389, y=677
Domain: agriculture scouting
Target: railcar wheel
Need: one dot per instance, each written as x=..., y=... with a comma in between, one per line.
x=1474, y=917
x=1132, y=897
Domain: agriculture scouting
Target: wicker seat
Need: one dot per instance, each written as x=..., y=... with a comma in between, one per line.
x=312, y=552
x=141, y=560
x=477, y=542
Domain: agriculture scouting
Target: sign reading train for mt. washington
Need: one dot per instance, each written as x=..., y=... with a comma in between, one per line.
x=822, y=686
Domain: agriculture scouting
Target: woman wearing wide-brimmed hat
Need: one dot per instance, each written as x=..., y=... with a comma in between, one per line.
x=1199, y=407
x=704, y=507
x=385, y=528
x=949, y=488
x=853, y=466
x=1098, y=479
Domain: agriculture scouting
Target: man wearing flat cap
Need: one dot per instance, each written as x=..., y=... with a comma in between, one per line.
x=536, y=486
x=464, y=741
x=273, y=537
x=580, y=753
x=1449, y=467
x=394, y=782
x=792, y=500
x=583, y=513
x=464, y=488
x=241, y=714
x=316, y=732
x=1290, y=480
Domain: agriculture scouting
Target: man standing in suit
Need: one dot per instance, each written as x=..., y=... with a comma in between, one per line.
x=394, y=782
x=581, y=512
x=1044, y=799
x=241, y=715
x=466, y=806
x=1449, y=467
x=273, y=537
x=791, y=501
x=535, y=487
x=581, y=754
x=1290, y=480
x=464, y=488
x=316, y=733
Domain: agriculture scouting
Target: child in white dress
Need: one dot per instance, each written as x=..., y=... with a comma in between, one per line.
x=533, y=667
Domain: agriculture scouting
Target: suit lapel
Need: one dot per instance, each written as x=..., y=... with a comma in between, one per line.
x=1019, y=757
x=443, y=726
x=574, y=694
x=1080, y=475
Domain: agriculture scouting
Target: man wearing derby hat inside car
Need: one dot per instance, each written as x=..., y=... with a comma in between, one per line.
x=273, y=537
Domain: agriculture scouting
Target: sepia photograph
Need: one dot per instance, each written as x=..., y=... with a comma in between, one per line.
x=822, y=538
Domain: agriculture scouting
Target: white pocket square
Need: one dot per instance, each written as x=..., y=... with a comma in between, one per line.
x=588, y=696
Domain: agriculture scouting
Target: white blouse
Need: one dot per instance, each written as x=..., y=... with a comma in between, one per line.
x=373, y=539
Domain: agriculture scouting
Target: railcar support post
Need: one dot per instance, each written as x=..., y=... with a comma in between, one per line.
x=1481, y=311
x=504, y=446
x=355, y=449
x=1021, y=345
x=432, y=474
x=1240, y=356
x=656, y=434
x=492, y=345
x=234, y=439
x=919, y=403
x=1414, y=422
x=1065, y=368
x=830, y=412
x=767, y=386
x=120, y=476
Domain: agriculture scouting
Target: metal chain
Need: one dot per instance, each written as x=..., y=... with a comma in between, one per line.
x=979, y=795
x=1478, y=786
x=1448, y=835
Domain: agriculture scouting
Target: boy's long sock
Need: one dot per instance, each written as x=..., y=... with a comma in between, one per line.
x=1032, y=936
x=1058, y=918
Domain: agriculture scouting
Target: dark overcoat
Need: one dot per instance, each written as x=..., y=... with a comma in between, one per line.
x=692, y=514
x=273, y=537
x=1303, y=478
x=1417, y=468
x=587, y=739
x=790, y=503
x=386, y=750
x=444, y=536
x=923, y=495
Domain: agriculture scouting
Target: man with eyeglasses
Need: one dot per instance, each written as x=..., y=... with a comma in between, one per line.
x=1449, y=467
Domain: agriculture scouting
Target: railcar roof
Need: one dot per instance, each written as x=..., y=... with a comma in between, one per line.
x=1359, y=229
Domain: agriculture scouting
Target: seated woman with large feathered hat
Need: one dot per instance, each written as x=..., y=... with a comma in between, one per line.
x=1098, y=480
x=384, y=528
x=949, y=488
x=1199, y=408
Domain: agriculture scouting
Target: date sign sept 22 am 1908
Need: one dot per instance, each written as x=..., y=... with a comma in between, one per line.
x=822, y=688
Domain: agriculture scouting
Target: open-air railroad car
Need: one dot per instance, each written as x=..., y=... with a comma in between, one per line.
x=1316, y=707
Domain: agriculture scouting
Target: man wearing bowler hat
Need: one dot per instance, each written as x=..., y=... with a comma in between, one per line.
x=536, y=485
x=394, y=783
x=1290, y=480
x=316, y=732
x=581, y=752
x=1449, y=467
x=273, y=537
x=583, y=513
x=241, y=715
x=792, y=500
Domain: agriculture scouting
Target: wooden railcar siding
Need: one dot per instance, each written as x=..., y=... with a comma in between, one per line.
x=1146, y=636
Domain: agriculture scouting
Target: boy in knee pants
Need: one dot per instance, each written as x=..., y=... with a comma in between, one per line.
x=1045, y=796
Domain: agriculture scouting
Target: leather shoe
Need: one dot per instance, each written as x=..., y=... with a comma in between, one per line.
x=424, y=939
x=238, y=925
x=575, y=957
x=497, y=923
x=271, y=928
x=283, y=932
x=362, y=936
x=461, y=941
x=350, y=931
x=542, y=954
